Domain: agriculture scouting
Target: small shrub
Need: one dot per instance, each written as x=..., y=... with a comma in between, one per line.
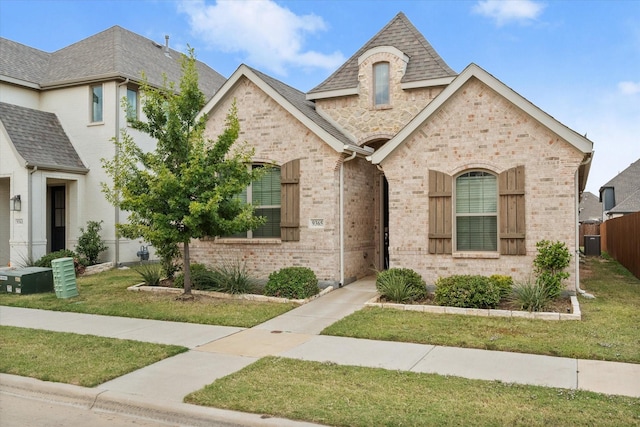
x=292, y=282
x=201, y=278
x=401, y=285
x=151, y=273
x=504, y=283
x=233, y=278
x=549, y=265
x=467, y=291
x=90, y=243
x=78, y=263
x=532, y=296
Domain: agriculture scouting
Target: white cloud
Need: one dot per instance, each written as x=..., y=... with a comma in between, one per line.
x=506, y=11
x=629, y=88
x=269, y=35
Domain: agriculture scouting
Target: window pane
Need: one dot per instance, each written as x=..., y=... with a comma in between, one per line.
x=96, y=103
x=476, y=212
x=132, y=100
x=266, y=192
x=477, y=233
x=272, y=227
x=381, y=83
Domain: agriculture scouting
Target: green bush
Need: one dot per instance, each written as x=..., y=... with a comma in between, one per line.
x=90, y=244
x=505, y=283
x=78, y=263
x=292, y=282
x=151, y=273
x=201, y=278
x=401, y=285
x=467, y=291
x=549, y=265
x=532, y=296
x=233, y=278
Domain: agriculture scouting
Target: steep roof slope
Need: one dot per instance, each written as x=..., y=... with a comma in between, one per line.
x=590, y=207
x=39, y=138
x=113, y=53
x=424, y=61
x=625, y=185
x=21, y=62
x=299, y=101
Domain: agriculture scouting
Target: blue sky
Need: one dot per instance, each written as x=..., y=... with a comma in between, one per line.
x=577, y=60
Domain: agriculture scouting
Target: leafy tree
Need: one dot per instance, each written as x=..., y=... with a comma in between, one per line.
x=90, y=243
x=185, y=189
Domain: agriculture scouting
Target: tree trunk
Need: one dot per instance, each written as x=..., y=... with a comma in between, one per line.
x=187, y=269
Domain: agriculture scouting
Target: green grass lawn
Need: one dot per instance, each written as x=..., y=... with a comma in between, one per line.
x=608, y=330
x=106, y=293
x=353, y=396
x=83, y=360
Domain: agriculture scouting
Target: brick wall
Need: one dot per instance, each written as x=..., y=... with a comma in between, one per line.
x=279, y=137
x=477, y=128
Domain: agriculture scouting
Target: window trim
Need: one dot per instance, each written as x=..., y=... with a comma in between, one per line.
x=92, y=104
x=137, y=104
x=474, y=253
x=249, y=233
x=375, y=82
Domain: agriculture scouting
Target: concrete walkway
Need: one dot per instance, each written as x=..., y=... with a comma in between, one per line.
x=217, y=351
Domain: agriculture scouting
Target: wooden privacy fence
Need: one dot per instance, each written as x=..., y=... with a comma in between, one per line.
x=589, y=229
x=622, y=237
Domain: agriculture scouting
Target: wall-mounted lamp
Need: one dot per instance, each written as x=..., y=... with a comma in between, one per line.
x=16, y=203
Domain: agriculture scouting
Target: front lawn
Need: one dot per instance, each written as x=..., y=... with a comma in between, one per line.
x=608, y=330
x=355, y=396
x=83, y=360
x=106, y=293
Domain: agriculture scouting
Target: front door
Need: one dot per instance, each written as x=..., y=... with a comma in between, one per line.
x=58, y=219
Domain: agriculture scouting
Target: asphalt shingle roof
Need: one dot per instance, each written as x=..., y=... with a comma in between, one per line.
x=299, y=101
x=115, y=52
x=39, y=138
x=590, y=207
x=424, y=61
x=626, y=184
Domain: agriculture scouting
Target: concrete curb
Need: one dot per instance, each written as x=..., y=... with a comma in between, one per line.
x=223, y=295
x=438, y=309
x=97, y=399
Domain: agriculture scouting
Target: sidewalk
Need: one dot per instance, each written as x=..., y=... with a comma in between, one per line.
x=217, y=351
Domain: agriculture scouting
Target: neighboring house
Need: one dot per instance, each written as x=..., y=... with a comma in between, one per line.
x=621, y=195
x=58, y=114
x=396, y=160
x=590, y=208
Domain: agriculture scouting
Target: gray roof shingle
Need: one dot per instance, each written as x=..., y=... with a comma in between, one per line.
x=590, y=208
x=299, y=101
x=115, y=52
x=39, y=138
x=625, y=185
x=424, y=61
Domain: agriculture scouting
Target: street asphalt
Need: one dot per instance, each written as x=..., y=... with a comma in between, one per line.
x=157, y=391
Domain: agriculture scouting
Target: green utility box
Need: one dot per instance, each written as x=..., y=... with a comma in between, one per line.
x=28, y=280
x=64, y=278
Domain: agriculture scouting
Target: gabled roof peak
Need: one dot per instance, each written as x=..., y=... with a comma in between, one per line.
x=424, y=62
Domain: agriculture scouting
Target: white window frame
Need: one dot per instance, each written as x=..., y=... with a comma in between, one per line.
x=136, y=106
x=457, y=215
x=383, y=82
x=92, y=104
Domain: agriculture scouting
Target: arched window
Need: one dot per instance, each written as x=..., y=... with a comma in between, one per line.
x=476, y=212
x=381, y=83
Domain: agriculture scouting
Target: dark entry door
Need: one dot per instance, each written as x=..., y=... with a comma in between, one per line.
x=58, y=218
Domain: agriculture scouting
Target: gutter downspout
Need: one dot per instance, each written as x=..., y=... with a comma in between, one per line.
x=577, y=221
x=345, y=160
x=117, y=136
x=30, y=229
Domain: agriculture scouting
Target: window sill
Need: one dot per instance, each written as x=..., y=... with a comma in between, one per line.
x=244, y=241
x=95, y=124
x=383, y=107
x=477, y=255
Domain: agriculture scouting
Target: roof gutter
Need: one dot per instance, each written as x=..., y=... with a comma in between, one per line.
x=56, y=168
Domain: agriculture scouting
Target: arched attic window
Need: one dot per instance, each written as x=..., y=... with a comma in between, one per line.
x=381, y=83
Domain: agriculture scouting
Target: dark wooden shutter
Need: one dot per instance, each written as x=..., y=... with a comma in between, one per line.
x=440, y=213
x=512, y=214
x=290, y=201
